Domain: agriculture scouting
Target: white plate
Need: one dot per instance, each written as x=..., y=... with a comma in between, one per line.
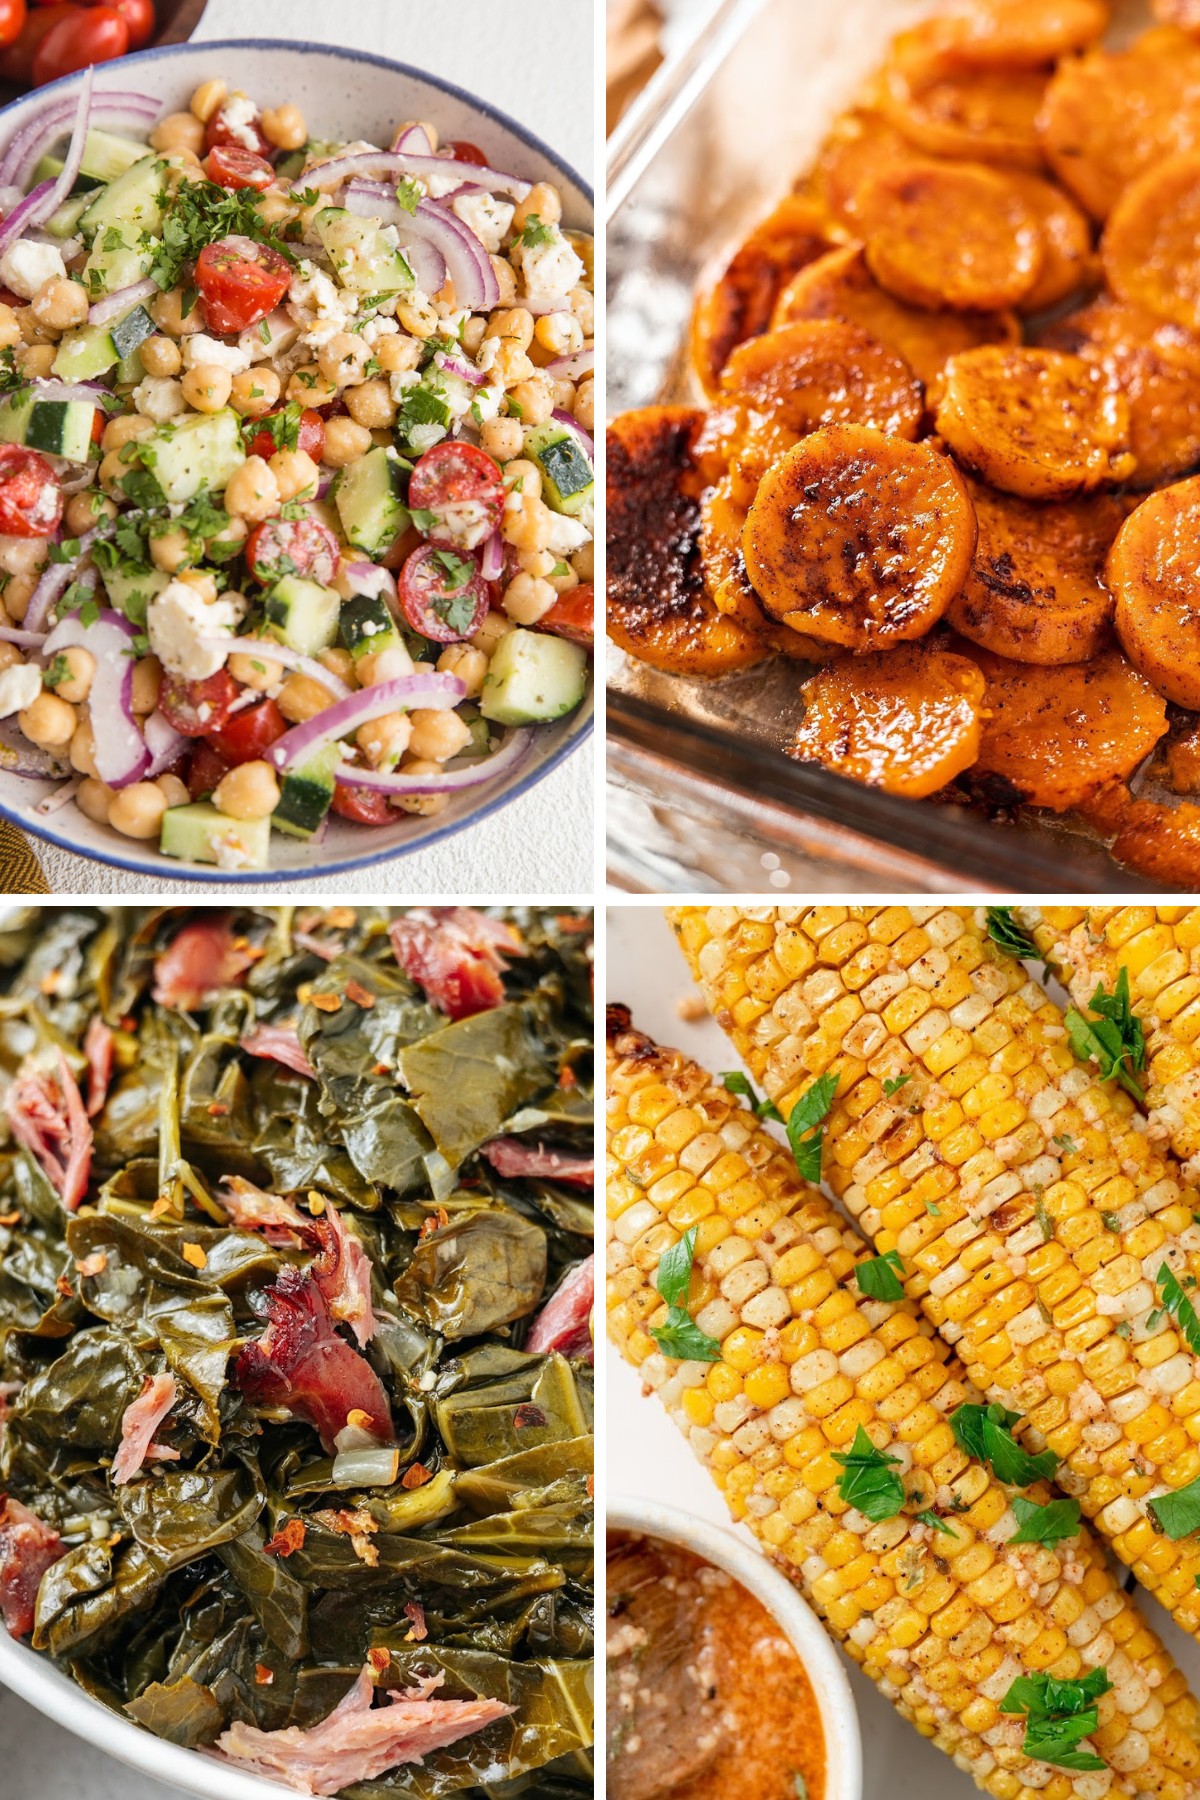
x=348, y=94
x=647, y=1456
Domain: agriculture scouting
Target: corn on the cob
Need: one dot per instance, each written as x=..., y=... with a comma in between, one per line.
x=1030, y=1210
x=942, y=1623
x=1160, y=947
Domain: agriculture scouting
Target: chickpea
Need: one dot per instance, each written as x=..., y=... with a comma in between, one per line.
x=527, y=599
x=583, y=305
x=147, y=680
x=511, y=365
x=206, y=387
x=495, y=626
x=559, y=333
x=424, y=805
x=541, y=563
x=160, y=356
x=10, y=330
x=396, y=353
x=49, y=722
x=248, y=791
x=18, y=592
x=535, y=398
x=383, y=741
x=31, y=328
x=36, y=361
x=300, y=697
x=82, y=750
x=296, y=474
x=254, y=391
x=340, y=663
x=81, y=666
x=371, y=404
x=94, y=799
x=167, y=312
x=284, y=127
x=541, y=202
x=529, y=526
x=563, y=394
x=206, y=100
x=468, y=663
x=506, y=280
x=202, y=580
x=178, y=131
x=310, y=388
x=10, y=656
x=252, y=491
x=513, y=324
x=235, y=532
x=383, y=665
x=84, y=510
x=257, y=672
x=502, y=438
x=125, y=429
x=173, y=790
x=59, y=304
x=585, y=404
x=343, y=359
x=438, y=734
x=345, y=441
x=137, y=811
x=112, y=472
x=170, y=551
x=472, y=333
x=23, y=556
x=275, y=207
x=584, y=561
x=523, y=477
x=565, y=580
x=419, y=321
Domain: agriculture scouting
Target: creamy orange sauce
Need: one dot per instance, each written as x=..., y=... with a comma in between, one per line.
x=706, y=1697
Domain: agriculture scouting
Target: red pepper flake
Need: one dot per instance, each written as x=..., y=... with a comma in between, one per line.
x=262, y=1675
x=573, y=922
x=379, y=1660
x=194, y=1254
x=567, y=1078
x=217, y=1109
x=161, y=1205
x=382, y=1069
x=341, y=918
x=360, y=995
x=9, y=1218
x=414, y=1612
x=51, y=982
x=285, y=1541
x=95, y=1264
x=591, y=1487
x=63, y=1286
x=415, y=1476
x=528, y=1416
x=327, y=1003
x=433, y=1223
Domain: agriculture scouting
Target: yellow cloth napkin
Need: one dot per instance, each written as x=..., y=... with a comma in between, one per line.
x=20, y=871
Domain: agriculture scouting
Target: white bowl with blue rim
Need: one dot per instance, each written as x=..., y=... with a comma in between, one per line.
x=344, y=94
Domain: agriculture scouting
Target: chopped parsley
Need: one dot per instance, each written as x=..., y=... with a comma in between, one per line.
x=805, y=1129
x=1114, y=1040
x=868, y=1480
x=142, y=488
x=893, y=1084
x=282, y=427
x=89, y=611
x=10, y=376
x=202, y=213
x=734, y=1082
x=421, y=407
x=424, y=518
x=681, y=1336
x=59, y=670
x=408, y=194
x=1176, y=1515
x=535, y=232
x=878, y=1277
x=985, y=1433
x=1007, y=935
x=1048, y=1524
x=1058, y=1716
x=936, y=1522
x=1066, y=1143
x=1176, y=1302
x=456, y=570
x=1044, y=1220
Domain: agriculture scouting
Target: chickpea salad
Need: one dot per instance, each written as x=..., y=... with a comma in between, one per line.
x=296, y=469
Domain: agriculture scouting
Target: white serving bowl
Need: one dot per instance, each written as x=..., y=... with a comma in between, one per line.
x=348, y=94
x=791, y=1612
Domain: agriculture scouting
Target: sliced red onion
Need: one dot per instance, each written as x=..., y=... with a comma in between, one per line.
x=539, y=308
x=371, y=200
x=280, y=653
x=467, y=262
x=455, y=365
x=491, y=558
x=69, y=390
x=10, y=197
x=413, y=139
x=395, y=165
x=163, y=742
x=28, y=640
x=19, y=757
x=54, y=580
x=31, y=211
x=52, y=803
x=83, y=477
x=40, y=133
x=512, y=751
x=427, y=264
x=112, y=304
x=120, y=754
x=572, y=368
x=48, y=196
x=373, y=580
x=585, y=437
x=432, y=690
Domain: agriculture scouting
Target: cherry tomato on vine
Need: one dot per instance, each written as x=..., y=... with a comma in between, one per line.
x=12, y=19
x=139, y=17
x=98, y=34
x=16, y=59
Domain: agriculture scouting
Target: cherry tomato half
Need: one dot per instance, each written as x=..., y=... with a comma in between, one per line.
x=246, y=733
x=240, y=282
x=292, y=547
x=205, y=770
x=31, y=501
x=310, y=437
x=12, y=19
x=96, y=35
x=573, y=615
x=139, y=17
x=441, y=595
x=463, y=150
x=197, y=707
x=464, y=488
x=366, y=806
x=218, y=131
x=232, y=167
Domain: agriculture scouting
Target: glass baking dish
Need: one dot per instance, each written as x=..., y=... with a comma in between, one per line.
x=700, y=796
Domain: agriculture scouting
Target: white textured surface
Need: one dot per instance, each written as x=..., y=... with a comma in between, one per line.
x=538, y=68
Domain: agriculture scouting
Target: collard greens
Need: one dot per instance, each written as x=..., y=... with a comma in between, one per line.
x=235, y=1561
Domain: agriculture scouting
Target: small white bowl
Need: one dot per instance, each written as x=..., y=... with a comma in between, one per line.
x=350, y=94
x=791, y=1612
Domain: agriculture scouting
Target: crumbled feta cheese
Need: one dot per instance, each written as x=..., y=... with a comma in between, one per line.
x=487, y=354
x=486, y=404
x=178, y=619
x=485, y=215
x=376, y=328
x=229, y=848
x=550, y=270
x=438, y=186
x=25, y=265
x=199, y=348
x=566, y=535
x=282, y=333
x=465, y=523
x=19, y=688
x=319, y=307
x=401, y=381
x=237, y=116
x=160, y=398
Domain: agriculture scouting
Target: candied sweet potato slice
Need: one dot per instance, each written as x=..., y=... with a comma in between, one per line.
x=1183, y=13
x=1183, y=760
x=858, y=539
x=1037, y=423
x=906, y=719
x=738, y=301
x=1110, y=115
x=841, y=286
x=1151, y=570
x=657, y=608
x=1012, y=34
x=859, y=148
x=1036, y=591
x=1151, y=243
x=1068, y=260
x=1160, y=841
x=985, y=115
x=1156, y=365
x=779, y=387
x=722, y=521
x=951, y=235
x=1056, y=735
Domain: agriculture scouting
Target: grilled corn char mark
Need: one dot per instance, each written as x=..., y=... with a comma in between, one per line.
x=1160, y=947
x=1031, y=1211
x=942, y=1624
